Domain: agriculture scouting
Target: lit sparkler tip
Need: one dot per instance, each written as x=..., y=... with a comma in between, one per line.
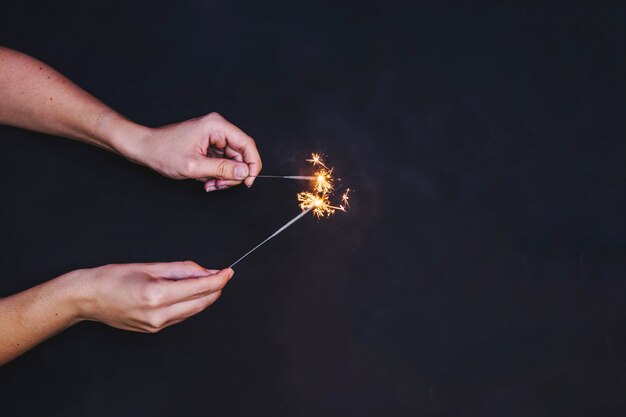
x=319, y=200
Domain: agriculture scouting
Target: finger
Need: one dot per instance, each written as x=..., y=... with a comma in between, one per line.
x=233, y=154
x=175, y=291
x=175, y=270
x=159, y=320
x=224, y=184
x=210, y=185
x=255, y=169
x=219, y=168
x=245, y=145
x=181, y=311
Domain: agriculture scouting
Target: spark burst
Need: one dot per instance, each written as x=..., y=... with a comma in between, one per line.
x=317, y=201
x=316, y=159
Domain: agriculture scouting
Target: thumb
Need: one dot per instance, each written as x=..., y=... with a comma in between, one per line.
x=221, y=168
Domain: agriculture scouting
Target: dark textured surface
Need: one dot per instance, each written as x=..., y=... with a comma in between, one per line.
x=480, y=272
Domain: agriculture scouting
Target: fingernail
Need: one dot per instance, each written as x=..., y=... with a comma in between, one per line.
x=210, y=188
x=241, y=172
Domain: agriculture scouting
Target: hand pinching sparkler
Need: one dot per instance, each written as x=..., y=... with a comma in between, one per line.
x=317, y=200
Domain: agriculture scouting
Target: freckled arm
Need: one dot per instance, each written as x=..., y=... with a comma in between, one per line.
x=34, y=315
x=34, y=96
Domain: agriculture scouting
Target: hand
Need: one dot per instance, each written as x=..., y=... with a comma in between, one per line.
x=147, y=297
x=208, y=148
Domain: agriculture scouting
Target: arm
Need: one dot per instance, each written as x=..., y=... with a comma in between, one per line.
x=36, y=97
x=140, y=297
x=136, y=297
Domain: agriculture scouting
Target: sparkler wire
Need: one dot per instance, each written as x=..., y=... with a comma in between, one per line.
x=289, y=177
x=292, y=221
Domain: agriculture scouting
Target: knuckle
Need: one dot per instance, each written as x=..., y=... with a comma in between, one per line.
x=152, y=296
x=214, y=116
x=190, y=166
x=190, y=264
x=152, y=329
x=156, y=321
x=222, y=169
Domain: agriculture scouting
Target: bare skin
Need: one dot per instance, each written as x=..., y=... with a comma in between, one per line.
x=135, y=297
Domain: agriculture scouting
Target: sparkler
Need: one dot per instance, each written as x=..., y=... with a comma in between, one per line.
x=289, y=177
x=317, y=201
x=323, y=178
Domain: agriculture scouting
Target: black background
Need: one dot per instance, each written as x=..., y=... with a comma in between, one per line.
x=481, y=270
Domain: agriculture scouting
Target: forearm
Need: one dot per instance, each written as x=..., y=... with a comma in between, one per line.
x=32, y=316
x=36, y=97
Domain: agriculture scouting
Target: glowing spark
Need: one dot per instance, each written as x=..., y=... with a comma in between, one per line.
x=319, y=203
x=345, y=199
x=316, y=159
x=324, y=181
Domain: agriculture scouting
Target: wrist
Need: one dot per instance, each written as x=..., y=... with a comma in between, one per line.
x=62, y=299
x=75, y=295
x=122, y=136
